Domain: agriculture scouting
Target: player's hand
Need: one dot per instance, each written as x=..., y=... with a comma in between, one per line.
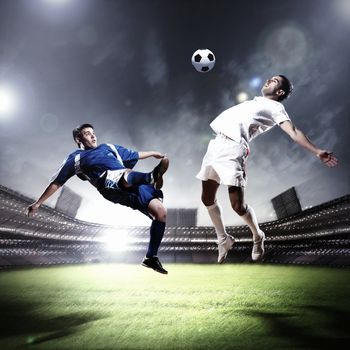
x=158, y=155
x=32, y=209
x=327, y=158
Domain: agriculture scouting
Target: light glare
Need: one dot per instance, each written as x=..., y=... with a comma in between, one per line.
x=116, y=240
x=342, y=7
x=7, y=101
x=57, y=1
x=241, y=97
x=255, y=82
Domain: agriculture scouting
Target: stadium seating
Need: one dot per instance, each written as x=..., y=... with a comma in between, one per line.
x=319, y=235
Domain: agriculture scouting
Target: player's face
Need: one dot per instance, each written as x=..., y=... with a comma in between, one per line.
x=88, y=138
x=272, y=87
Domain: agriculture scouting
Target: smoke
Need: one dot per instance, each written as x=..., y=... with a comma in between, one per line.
x=178, y=123
x=138, y=88
x=155, y=66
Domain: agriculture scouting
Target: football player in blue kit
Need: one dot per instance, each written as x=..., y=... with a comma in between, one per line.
x=108, y=168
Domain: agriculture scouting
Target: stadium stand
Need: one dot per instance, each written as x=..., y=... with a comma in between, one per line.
x=318, y=236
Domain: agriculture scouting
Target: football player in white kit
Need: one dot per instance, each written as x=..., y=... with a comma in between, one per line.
x=225, y=160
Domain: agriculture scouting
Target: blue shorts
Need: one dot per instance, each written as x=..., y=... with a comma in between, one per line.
x=137, y=198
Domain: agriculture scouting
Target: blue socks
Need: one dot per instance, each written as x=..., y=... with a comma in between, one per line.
x=156, y=232
x=136, y=178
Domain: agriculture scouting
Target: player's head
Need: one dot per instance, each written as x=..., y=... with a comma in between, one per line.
x=84, y=136
x=277, y=88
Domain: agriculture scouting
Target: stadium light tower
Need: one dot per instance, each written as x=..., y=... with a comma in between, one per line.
x=7, y=101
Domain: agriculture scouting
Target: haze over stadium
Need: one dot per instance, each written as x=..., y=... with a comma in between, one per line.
x=125, y=67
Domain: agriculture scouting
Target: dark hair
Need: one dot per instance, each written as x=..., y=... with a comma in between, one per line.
x=286, y=86
x=78, y=129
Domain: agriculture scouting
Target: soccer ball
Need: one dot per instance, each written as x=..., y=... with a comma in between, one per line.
x=203, y=60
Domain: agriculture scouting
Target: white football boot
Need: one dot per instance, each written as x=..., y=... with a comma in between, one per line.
x=224, y=248
x=258, y=247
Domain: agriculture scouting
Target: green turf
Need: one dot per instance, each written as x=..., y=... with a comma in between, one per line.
x=194, y=307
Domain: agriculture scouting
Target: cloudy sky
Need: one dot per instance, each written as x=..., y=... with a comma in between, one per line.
x=125, y=67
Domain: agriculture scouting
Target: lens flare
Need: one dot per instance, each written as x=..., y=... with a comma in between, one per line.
x=7, y=101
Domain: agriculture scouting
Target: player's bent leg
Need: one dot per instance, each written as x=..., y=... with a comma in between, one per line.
x=145, y=199
x=134, y=178
x=155, y=177
x=225, y=241
x=247, y=213
x=209, y=189
x=236, y=195
x=158, y=212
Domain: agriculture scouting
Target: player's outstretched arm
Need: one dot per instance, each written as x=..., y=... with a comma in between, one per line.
x=49, y=191
x=148, y=154
x=298, y=137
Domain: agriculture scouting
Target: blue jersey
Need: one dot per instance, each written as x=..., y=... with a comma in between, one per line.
x=94, y=162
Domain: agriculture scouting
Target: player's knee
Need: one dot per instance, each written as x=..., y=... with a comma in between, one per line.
x=160, y=213
x=239, y=208
x=207, y=201
x=157, y=210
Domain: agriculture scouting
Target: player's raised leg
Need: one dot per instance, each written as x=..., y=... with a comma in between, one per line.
x=155, y=177
x=158, y=212
x=225, y=241
x=248, y=215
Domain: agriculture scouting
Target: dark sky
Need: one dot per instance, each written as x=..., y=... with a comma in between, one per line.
x=125, y=67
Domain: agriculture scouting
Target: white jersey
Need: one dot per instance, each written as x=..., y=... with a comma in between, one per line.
x=249, y=119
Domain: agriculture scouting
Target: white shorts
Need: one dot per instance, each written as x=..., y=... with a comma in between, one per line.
x=225, y=162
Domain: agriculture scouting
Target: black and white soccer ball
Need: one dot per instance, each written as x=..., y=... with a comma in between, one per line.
x=203, y=60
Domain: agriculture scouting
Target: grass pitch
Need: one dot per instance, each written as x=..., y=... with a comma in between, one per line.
x=116, y=306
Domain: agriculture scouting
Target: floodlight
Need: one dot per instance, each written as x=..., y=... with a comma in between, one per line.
x=116, y=240
x=241, y=97
x=7, y=100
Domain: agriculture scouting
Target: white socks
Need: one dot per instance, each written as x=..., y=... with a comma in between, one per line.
x=214, y=211
x=250, y=219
